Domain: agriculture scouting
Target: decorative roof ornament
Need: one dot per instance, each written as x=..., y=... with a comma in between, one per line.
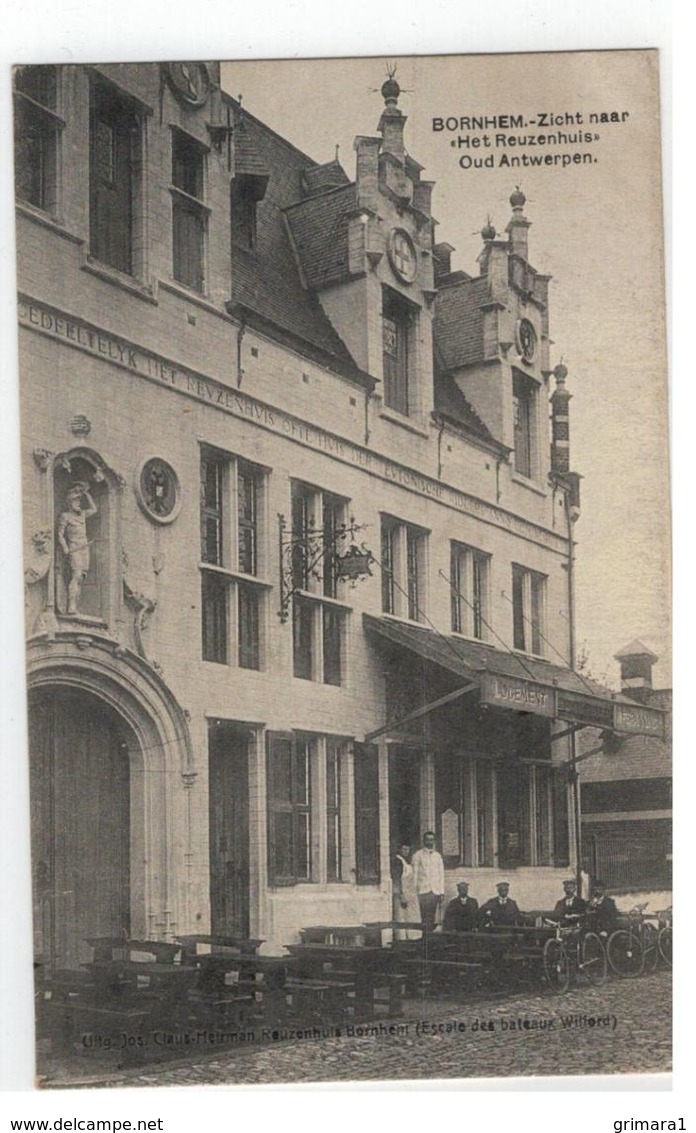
x=488, y=231
x=517, y=198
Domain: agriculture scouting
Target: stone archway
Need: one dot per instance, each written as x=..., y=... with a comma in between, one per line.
x=111, y=757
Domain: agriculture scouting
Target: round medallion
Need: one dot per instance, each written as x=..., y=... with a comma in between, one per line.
x=526, y=340
x=402, y=255
x=190, y=82
x=157, y=489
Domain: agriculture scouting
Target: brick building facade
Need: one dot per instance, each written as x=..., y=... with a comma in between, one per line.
x=239, y=370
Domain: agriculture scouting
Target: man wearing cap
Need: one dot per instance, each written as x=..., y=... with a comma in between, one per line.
x=603, y=908
x=429, y=877
x=462, y=913
x=570, y=907
x=501, y=910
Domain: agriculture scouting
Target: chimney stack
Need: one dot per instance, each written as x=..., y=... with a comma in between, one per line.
x=636, y=662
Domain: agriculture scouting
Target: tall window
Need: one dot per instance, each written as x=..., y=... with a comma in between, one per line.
x=306, y=805
x=403, y=563
x=366, y=778
x=524, y=394
x=528, y=610
x=232, y=591
x=507, y=813
x=37, y=133
x=469, y=578
x=398, y=341
x=188, y=210
x=318, y=616
x=115, y=161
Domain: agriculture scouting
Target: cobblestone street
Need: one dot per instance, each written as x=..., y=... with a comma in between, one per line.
x=622, y=1027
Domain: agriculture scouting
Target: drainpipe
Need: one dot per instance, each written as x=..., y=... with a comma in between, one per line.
x=240, y=338
x=575, y=787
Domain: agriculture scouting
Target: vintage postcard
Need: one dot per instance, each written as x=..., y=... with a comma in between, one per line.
x=346, y=551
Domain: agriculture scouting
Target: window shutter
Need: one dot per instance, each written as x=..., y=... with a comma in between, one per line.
x=366, y=774
x=281, y=840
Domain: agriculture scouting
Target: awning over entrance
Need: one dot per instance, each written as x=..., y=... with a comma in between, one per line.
x=524, y=684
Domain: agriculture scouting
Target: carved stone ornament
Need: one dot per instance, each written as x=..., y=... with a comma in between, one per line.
x=38, y=557
x=526, y=340
x=157, y=489
x=190, y=83
x=42, y=458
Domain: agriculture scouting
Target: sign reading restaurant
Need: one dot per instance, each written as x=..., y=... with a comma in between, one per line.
x=547, y=700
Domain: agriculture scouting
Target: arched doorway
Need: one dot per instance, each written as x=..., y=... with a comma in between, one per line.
x=80, y=751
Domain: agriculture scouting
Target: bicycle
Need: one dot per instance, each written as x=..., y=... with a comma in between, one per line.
x=633, y=950
x=573, y=949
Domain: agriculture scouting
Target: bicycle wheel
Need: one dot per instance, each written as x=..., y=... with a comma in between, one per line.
x=556, y=966
x=650, y=952
x=664, y=945
x=625, y=954
x=593, y=959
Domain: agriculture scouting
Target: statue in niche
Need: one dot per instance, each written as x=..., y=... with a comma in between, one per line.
x=73, y=541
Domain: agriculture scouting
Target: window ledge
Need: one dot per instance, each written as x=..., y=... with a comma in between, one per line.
x=190, y=295
x=532, y=656
x=525, y=482
x=48, y=220
x=403, y=620
x=325, y=598
x=235, y=575
x=120, y=279
x=458, y=636
x=407, y=423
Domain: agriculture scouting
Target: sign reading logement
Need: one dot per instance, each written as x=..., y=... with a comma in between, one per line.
x=522, y=695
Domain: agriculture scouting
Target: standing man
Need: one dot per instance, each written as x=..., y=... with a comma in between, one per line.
x=429, y=876
x=570, y=906
x=462, y=914
x=501, y=910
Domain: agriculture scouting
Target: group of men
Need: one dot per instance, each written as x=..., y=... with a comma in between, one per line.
x=463, y=913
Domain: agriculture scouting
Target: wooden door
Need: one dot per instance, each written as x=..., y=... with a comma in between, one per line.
x=80, y=823
x=229, y=830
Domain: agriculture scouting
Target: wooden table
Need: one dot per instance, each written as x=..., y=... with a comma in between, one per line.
x=370, y=967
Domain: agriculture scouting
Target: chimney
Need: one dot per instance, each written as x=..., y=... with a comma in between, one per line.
x=636, y=662
x=442, y=260
x=518, y=224
x=367, y=171
x=560, y=422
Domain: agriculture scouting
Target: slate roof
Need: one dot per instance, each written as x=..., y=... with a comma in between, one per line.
x=451, y=404
x=458, y=323
x=265, y=281
x=319, y=227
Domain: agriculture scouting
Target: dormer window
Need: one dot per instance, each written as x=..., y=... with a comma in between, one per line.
x=398, y=335
x=524, y=405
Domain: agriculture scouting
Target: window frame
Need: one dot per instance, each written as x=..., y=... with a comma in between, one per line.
x=241, y=646
x=314, y=841
x=110, y=105
x=529, y=596
x=319, y=613
x=474, y=793
x=189, y=203
x=525, y=426
x=405, y=573
x=470, y=572
x=43, y=115
x=399, y=352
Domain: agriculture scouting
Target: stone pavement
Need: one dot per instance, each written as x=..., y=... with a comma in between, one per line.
x=622, y=1027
